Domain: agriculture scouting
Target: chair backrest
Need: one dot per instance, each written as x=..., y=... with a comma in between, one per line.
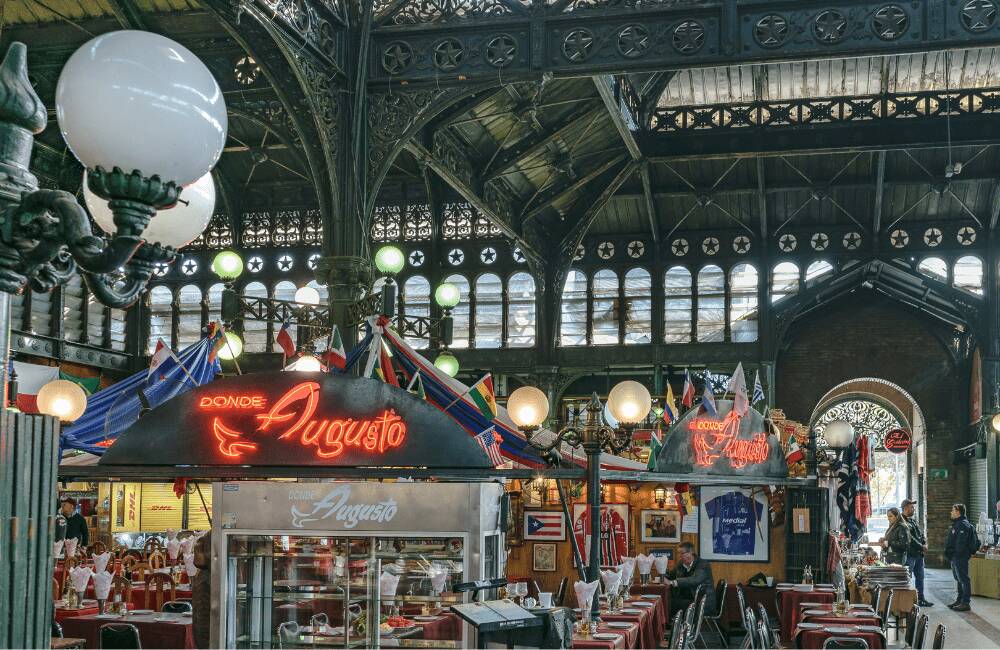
x=98, y=548
x=699, y=617
x=68, y=565
x=119, y=635
x=287, y=633
x=764, y=636
x=182, y=606
x=683, y=637
x=742, y=601
x=772, y=635
x=844, y=643
x=155, y=589
x=886, y=610
x=750, y=621
x=57, y=632
x=319, y=620
x=911, y=624
x=121, y=586
x=561, y=592
x=152, y=544
x=675, y=629
x=689, y=612
x=876, y=593
x=939, y=635
x=721, y=588
x=157, y=560
x=698, y=592
x=56, y=593
x=920, y=632
x=141, y=568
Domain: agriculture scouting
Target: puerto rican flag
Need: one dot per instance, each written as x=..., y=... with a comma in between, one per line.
x=544, y=525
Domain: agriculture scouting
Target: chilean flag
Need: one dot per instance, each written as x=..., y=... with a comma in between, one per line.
x=687, y=397
x=544, y=525
x=284, y=339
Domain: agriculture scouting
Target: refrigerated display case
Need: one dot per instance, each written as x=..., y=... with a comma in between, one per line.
x=346, y=564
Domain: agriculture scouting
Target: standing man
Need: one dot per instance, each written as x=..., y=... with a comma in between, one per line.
x=916, y=551
x=684, y=581
x=963, y=542
x=76, y=525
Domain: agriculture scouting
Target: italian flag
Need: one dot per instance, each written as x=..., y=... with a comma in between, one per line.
x=482, y=394
x=335, y=356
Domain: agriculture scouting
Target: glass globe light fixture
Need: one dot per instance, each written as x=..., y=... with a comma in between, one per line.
x=232, y=348
x=528, y=407
x=839, y=434
x=63, y=399
x=389, y=260
x=995, y=422
x=307, y=296
x=447, y=363
x=307, y=363
x=228, y=265
x=447, y=295
x=140, y=101
x=629, y=403
x=177, y=225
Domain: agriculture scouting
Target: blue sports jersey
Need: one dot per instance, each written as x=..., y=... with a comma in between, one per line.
x=735, y=517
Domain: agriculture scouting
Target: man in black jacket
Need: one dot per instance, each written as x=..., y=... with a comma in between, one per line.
x=916, y=551
x=691, y=571
x=76, y=525
x=962, y=543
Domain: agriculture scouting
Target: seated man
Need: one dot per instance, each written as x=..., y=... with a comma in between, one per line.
x=690, y=572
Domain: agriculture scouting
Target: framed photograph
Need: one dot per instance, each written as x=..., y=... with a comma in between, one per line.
x=661, y=526
x=614, y=532
x=544, y=525
x=543, y=557
x=733, y=525
x=515, y=519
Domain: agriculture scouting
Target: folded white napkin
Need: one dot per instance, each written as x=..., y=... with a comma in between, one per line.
x=585, y=592
x=101, y=561
x=80, y=576
x=612, y=579
x=189, y=566
x=439, y=578
x=173, y=548
x=186, y=545
x=645, y=563
x=627, y=569
x=70, y=547
x=171, y=534
x=57, y=548
x=102, y=584
x=661, y=564
x=339, y=562
x=388, y=583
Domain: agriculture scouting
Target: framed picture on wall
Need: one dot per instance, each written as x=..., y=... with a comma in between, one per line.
x=660, y=526
x=544, y=525
x=543, y=557
x=614, y=532
x=734, y=525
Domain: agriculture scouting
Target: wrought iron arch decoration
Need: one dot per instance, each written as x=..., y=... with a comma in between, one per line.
x=867, y=414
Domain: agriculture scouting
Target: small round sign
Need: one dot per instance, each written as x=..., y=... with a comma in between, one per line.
x=898, y=441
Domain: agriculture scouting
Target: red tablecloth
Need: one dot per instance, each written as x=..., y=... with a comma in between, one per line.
x=833, y=619
x=627, y=639
x=789, y=600
x=63, y=613
x=175, y=633
x=649, y=637
x=447, y=627
x=663, y=591
x=813, y=639
x=658, y=619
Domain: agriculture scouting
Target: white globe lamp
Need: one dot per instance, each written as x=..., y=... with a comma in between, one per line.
x=63, y=399
x=839, y=434
x=528, y=407
x=307, y=296
x=629, y=403
x=307, y=363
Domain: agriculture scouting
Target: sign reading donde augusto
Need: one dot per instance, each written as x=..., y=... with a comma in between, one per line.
x=297, y=418
x=351, y=507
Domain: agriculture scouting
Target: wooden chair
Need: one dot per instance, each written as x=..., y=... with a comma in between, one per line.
x=68, y=565
x=560, y=594
x=157, y=560
x=939, y=635
x=156, y=582
x=119, y=551
x=97, y=548
x=152, y=544
x=127, y=565
x=141, y=568
x=120, y=586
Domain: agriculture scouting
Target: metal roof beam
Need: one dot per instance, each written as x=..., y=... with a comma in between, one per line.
x=127, y=14
x=545, y=199
x=579, y=230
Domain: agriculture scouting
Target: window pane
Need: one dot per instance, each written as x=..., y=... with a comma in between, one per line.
x=189, y=316
x=489, y=311
x=711, y=304
x=118, y=320
x=41, y=313
x=677, y=305
x=818, y=270
x=73, y=308
x=638, y=307
x=460, y=312
x=605, y=307
x=969, y=274
x=521, y=311
x=743, y=303
x=573, y=314
x=416, y=304
x=784, y=281
x=160, y=315
x=934, y=267
x=255, y=331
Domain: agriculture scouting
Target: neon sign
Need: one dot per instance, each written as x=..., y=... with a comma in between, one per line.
x=713, y=439
x=293, y=417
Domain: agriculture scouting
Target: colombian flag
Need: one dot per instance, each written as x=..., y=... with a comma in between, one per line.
x=670, y=413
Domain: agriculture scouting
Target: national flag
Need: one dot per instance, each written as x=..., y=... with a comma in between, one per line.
x=416, y=386
x=217, y=336
x=284, y=340
x=160, y=355
x=30, y=379
x=684, y=498
x=335, y=356
x=490, y=440
x=794, y=453
x=385, y=364
x=758, y=390
x=544, y=524
x=708, y=399
x=88, y=384
x=482, y=394
x=670, y=413
x=687, y=397
x=654, y=450
x=738, y=387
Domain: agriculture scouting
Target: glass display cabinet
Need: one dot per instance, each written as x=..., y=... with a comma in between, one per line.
x=350, y=565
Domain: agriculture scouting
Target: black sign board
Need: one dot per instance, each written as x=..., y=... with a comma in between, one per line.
x=297, y=418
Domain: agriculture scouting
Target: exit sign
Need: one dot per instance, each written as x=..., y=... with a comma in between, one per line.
x=939, y=473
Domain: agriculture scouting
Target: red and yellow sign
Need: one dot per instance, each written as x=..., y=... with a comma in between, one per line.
x=898, y=441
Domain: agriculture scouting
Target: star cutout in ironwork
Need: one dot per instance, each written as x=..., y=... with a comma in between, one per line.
x=741, y=244
x=679, y=247
x=710, y=246
x=518, y=255
x=397, y=57
x=771, y=30
x=966, y=235
x=890, y=22
x=978, y=15
x=899, y=238
x=577, y=44
x=255, y=264
x=633, y=41
x=312, y=261
x=636, y=249
x=285, y=263
x=830, y=26
x=820, y=241
x=500, y=51
x=606, y=250
x=688, y=37
x=852, y=240
x=189, y=267
x=932, y=237
x=787, y=243
x=456, y=256
x=488, y=256
x=580, y=252
x=448, y=54
x=416, y=258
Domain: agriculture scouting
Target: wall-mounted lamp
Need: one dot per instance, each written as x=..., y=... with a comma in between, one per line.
x=660, y=495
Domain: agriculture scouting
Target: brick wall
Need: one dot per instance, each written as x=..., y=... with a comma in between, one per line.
x=870, y=336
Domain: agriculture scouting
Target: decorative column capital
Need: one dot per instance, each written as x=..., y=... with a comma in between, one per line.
x=347, y=277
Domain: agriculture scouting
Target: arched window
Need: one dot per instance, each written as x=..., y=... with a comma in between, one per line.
x=605, y=310
x=935, y=267
x=817, y=270
x=743, y=303
x=188, y=316
x=215, y=302
x=489, y=311
x=285, y=290
x=417, y=303
x=677, y=305
x=573, y=314
x=460, y=313
x=255, y=331
x=638, y=307
x=160, y=317
x=969, y=274
x=711, y=304
x=784, y=281
x=521, y=310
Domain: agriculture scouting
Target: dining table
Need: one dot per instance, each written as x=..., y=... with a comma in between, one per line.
x=811, y=638
x=626, y=638
x=653, y=589
x=443, y=626
x=789, y=599
x=829, y=617
x=156, y=630
x=650, y=635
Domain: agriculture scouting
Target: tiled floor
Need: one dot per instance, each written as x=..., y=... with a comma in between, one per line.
x=979, y=628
